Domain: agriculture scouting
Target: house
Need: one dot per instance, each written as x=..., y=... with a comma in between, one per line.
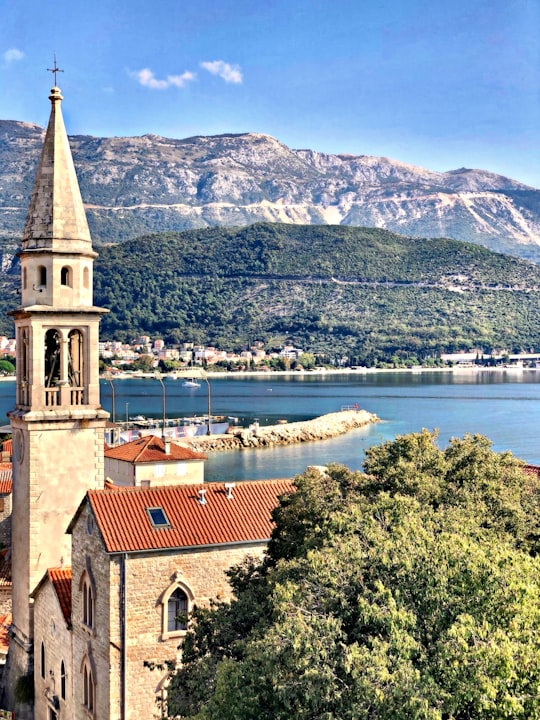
x=141, y=559
x=152, y=461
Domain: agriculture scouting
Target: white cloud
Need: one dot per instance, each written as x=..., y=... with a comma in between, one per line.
x=229, y=73
x=12, y=55
x=147, y=78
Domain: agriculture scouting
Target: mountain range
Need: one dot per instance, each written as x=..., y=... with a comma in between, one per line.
x=137, y=185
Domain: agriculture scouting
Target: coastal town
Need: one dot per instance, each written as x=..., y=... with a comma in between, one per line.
x=248, y=471
x=147, y=354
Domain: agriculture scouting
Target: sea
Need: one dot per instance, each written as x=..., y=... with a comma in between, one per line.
x=502, y=404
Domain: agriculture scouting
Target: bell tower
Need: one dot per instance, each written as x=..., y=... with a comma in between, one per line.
x=57, y=423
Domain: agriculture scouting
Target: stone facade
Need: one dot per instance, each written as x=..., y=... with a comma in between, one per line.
x=53, y=671
x=129, y=633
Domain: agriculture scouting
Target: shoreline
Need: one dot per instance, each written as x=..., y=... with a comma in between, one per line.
x=321, y=373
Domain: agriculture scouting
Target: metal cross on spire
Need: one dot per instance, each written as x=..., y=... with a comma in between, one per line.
x=55, y=70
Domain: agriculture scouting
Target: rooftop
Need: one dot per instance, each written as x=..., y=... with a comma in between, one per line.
x=60, y=579
x=151, y=449
x=191, y=515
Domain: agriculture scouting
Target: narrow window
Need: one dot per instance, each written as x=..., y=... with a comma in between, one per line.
x=177, y=608
x=24, y=278
x=24, y=355
x=42, y=661
x=65, y=276
x=76, y=358
x=88, y=688
x=63, y=680
x=52, y=358
x=42, y=275
x=86, y=278
x=87, y=603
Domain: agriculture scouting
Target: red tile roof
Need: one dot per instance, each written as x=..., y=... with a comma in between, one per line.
x=151, y=449
x=126, y=527
x=6, y=478
x=60, y=579
x=7, y=446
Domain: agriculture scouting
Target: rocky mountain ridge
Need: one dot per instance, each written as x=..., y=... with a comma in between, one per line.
x=137, y=185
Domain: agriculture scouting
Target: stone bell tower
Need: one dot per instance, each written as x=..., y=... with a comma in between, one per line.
x=58, y=423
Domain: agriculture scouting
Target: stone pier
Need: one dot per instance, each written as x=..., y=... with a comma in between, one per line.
x=321, y=428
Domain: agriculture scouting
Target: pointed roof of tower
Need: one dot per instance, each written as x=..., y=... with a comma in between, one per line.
x=56, y=219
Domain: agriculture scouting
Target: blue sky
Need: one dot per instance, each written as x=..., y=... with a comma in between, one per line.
x=441, y=84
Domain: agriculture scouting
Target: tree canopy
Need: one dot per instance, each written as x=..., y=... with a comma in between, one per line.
x=365, y=293
x=410, y=591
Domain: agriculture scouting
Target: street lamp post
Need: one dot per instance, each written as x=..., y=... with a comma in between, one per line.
x=209, y=430
x=113, y=414
x=158, y=377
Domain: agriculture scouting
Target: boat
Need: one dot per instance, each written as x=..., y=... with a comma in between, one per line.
x=191, y=384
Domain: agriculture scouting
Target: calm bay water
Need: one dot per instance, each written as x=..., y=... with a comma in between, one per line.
x=505, y=406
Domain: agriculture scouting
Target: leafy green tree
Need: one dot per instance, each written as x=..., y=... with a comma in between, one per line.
x=6, y=367
x=408, y=592
x=144, y=363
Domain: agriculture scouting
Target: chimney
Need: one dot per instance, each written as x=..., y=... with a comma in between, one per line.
x=202, y=499
x=167, y=442
x=229, y=488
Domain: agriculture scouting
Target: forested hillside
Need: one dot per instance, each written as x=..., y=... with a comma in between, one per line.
x=366, y=293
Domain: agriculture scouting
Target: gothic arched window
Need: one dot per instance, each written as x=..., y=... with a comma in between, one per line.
x=42, y=661
x=87, y=590
x=177, y=608
x=86, y=278
x=88, y=687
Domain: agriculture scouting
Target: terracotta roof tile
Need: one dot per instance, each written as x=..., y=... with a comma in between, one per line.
x=124, y=523
x=7, y=446
x=6, y=477
x=151, y=449
x=60, y=579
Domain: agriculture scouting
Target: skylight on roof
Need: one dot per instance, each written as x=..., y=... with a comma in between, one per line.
x=157, y=517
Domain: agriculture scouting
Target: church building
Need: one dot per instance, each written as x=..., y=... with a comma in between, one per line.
x=104, y=575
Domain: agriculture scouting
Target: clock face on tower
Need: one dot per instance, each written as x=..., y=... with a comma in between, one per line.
x=18, y=445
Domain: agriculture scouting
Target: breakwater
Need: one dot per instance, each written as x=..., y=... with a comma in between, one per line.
x=320, y=428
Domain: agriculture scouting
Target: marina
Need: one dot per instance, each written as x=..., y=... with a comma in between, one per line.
x=504, y=406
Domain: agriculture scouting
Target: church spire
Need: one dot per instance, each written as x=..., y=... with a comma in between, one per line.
x=56, y=219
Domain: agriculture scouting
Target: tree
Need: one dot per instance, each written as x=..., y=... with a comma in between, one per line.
x=6, y=367
x=411, y=591
x=145, y=363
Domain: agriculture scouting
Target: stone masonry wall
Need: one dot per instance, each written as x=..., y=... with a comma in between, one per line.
x=51, y=629
x=150, y=579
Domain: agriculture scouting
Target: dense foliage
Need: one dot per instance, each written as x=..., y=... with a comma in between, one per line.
x=410, y=592
x=365, y=293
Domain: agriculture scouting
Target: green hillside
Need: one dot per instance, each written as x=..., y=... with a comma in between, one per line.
x=366, y=293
